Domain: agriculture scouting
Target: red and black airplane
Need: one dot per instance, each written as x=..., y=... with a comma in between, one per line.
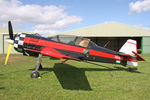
x=71, y=48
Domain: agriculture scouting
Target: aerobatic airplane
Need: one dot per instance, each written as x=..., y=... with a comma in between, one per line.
x=70, y=48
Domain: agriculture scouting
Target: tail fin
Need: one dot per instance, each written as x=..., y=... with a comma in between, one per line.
x=130, y=49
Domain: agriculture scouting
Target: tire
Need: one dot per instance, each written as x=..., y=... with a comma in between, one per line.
x=35, y=74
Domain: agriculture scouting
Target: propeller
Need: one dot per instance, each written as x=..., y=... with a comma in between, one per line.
x=10, y=29
x=10, y=40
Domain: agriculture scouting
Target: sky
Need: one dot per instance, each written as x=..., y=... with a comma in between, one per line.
x=53, y=16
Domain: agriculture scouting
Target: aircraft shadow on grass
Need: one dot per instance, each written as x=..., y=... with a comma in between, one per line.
x=0, y=83
x=2, y=88
x=73, y=78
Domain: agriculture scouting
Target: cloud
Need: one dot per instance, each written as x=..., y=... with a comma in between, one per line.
x=45, y=19
x=139, y=6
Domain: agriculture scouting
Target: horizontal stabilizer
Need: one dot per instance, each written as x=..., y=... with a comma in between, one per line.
x=125, y=55
x=139, y=58
x=136, y=55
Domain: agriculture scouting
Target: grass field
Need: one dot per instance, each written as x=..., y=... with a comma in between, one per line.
x=72, y=81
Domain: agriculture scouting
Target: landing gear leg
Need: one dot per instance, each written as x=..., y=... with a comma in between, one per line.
x=35, y=73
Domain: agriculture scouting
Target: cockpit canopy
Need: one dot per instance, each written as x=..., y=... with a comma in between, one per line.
x=73, y=40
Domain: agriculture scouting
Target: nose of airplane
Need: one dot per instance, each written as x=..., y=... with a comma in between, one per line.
x=10, y=41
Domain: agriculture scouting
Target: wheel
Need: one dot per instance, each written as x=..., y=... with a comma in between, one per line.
x=35, y=74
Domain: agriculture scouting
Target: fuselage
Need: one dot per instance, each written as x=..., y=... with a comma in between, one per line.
x=32, y=45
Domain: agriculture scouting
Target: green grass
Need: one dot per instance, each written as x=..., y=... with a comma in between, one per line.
x=72, y=81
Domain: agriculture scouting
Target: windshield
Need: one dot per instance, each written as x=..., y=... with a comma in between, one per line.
x=54, y=38
x=67, y=39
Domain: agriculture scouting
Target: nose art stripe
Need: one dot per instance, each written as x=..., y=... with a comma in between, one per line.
x=19, y=41
x=22, y=35
x=16, y=45
x=17, y=38
x=21, y=38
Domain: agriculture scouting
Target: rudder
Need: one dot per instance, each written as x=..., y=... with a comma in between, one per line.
x=128, y=48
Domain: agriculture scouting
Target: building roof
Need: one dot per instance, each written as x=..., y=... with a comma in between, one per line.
x=5, y=31
x=111, y=29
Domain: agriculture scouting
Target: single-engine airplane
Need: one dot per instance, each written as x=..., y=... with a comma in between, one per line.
x=70, y=48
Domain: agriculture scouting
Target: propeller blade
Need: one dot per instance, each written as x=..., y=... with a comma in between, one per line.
x=9, y=49
x=10, y=29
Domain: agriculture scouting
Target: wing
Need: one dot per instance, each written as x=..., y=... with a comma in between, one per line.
x=56, y=54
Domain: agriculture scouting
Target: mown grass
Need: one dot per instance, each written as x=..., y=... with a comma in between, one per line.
x=72, y=81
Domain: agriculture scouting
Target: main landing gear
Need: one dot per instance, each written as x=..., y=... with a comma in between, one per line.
x=35, y=73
